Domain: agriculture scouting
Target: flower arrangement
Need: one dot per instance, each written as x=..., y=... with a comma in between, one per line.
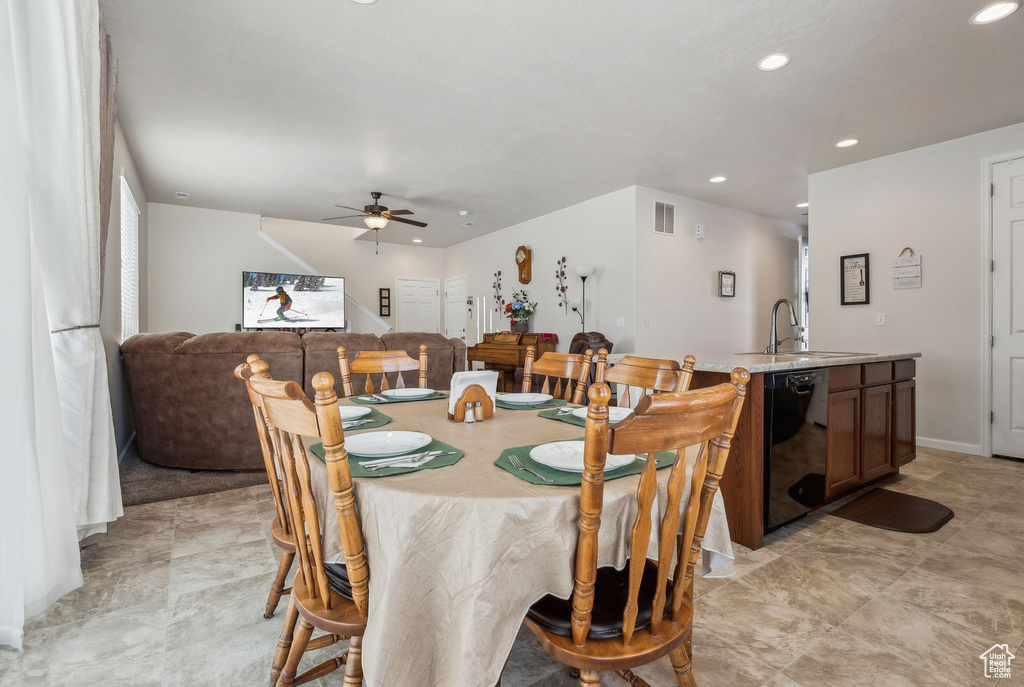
x=499, y=301
x=520, y=308
x=560, y=287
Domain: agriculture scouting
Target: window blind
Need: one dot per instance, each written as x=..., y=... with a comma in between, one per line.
x=129, y=262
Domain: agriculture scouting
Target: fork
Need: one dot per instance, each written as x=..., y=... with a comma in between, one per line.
x=518, y=465
x=409, y=461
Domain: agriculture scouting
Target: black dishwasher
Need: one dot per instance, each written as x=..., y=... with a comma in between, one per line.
x=795, y=446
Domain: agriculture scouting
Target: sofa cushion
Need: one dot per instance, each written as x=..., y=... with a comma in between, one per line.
x=441, y=356
x=241, y=343
x=321, y=349
x=154, y=343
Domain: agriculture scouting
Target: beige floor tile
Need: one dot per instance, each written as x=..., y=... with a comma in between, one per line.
x=980, y=559
x=983, y=611
x=1000, y=524
x=200, y=571
x=863, y=568
x=215, y=611
x=1011, y=503
x=70, y=653
x=781, y=680
x=215, y=526
x=106, y=591
x=142, y=537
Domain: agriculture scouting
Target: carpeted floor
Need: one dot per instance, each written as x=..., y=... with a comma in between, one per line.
x=143, y=482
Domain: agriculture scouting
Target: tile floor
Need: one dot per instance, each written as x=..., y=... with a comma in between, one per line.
x=174, y=596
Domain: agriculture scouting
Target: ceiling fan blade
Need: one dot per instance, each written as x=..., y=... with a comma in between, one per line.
x=348, y=208
x=331, y=219
x=408, y=221
x=399, y=212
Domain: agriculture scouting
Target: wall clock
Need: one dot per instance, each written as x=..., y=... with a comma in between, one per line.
x=524, y=259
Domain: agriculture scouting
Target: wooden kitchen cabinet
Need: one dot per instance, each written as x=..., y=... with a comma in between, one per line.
x=842, y=465
x=875, y=428
x=904, y=422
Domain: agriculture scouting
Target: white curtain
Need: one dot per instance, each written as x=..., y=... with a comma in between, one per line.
x=59, y=464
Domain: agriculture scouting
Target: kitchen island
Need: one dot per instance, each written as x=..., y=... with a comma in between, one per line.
x=815, y=426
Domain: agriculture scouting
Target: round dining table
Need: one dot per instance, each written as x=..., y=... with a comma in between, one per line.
x=458, y=554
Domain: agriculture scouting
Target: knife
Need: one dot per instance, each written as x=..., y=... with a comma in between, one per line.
x=380, y=462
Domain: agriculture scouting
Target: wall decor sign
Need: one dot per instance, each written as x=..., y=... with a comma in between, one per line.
x=727, y=284
x=854, y=288
x=906, y=270
x=385, y=302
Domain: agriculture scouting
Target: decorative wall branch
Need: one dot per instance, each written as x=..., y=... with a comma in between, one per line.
x=560, y=287
x=499, y=301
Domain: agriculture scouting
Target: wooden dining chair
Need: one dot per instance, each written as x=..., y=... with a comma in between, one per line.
x=333, y=597
x=618, y=620
x=649, y=375
x=280, y=527
x=372, y=363
x=572, y=368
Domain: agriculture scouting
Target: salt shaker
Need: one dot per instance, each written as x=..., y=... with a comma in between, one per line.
x=478, y=411
x=470, y=415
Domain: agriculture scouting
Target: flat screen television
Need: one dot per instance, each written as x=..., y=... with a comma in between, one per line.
x=274, y=300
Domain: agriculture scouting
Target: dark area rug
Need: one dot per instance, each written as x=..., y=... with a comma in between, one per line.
x=143, y=482
x=892, y=510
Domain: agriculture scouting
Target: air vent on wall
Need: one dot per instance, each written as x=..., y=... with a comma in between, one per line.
x=664, y=218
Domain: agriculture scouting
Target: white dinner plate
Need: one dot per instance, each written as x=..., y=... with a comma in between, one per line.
x=567, y=456
x=614, y=414
x=525, y=399
x=407, y=393
x=385, y=444
x=353, y=412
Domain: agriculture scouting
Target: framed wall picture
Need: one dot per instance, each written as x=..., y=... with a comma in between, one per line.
x=385, y=302
x=855, y=286
x=727, y=284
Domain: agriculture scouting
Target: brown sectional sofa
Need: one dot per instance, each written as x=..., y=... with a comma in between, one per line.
x=190, y=411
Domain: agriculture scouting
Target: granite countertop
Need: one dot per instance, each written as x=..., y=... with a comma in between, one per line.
x=725, y=361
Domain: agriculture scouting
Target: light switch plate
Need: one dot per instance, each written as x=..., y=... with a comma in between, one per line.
x=700, y=231
x=880, y=319
x=647, y=322
x=620, y=321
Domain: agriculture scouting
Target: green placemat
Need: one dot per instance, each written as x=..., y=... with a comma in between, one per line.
x=553, y=403
x=570, y=479
x=432, y=397
x=378, y=419
x=552, y=414
x=435, y=445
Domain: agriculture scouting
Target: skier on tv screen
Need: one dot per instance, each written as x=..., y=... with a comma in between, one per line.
x=286, y=302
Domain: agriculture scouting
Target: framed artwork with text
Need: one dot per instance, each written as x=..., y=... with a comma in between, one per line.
x=855, y=284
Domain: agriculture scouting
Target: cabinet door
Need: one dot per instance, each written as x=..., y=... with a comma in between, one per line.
x=904, y=422
x=875, y=437
x=842, y=468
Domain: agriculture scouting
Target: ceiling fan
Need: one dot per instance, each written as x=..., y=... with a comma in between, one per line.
x=376, y=216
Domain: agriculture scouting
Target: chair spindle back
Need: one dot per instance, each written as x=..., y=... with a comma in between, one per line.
x=373, y=363
x=649, y=375
x=661, y=422
x=573, y=368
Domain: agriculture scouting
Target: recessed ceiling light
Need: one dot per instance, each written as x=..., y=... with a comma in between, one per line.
x=847, y=143
x=417, y=240
x=468, y=224
x=364, y=2
x=773, y=62
x=995, y=12
x=463, y=213
x=801, y=205
x=182, y=195
x=716, y=180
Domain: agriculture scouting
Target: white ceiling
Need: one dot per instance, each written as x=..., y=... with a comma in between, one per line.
x=515, y=109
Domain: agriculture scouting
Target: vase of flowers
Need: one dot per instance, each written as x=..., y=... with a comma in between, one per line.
x=518, y=311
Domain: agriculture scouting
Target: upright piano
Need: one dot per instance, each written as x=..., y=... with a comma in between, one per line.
x=506, y=352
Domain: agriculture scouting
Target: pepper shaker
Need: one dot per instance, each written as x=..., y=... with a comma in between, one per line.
x=478, y=411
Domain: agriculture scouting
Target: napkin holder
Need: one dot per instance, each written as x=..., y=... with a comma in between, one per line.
x=474, y=393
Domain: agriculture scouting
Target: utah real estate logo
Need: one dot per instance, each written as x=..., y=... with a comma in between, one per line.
x=997, y=661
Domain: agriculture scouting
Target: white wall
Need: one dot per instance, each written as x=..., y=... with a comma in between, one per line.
x=197, y=257
x=110, y=317
x=595, y=232
x=677, y=277
x=931, y=199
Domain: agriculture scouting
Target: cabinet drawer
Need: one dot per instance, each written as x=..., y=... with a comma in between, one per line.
x=843, y=377
x=905, y=369
x=877, y=373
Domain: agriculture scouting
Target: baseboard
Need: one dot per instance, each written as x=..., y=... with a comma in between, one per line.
x=127, y=444
x=955, y=446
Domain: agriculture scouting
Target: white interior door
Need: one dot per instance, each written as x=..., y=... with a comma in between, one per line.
x=1008, y=308
x=456, y=310
x=419, y=305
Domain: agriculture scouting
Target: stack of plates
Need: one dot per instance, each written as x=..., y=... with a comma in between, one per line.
x=525, y=399
x=385, y=444
x=567, y=456
x=406, y=393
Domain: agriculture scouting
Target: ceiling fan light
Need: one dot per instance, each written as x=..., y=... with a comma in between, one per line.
x=375, y=221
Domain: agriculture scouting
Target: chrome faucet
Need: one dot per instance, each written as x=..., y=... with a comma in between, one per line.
x=773, y=346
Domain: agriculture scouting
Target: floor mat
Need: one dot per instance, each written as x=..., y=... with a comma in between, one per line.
x=892, y=510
